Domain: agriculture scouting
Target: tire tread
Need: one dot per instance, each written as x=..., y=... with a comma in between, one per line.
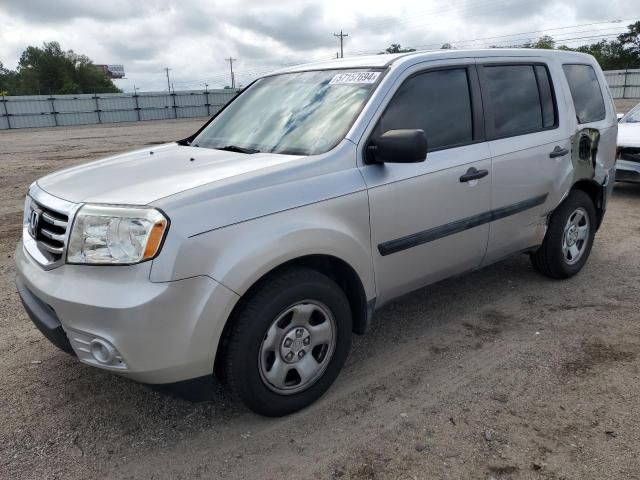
x=548, y=258
x=243, y=319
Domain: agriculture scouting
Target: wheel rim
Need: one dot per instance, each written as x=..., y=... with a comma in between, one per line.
x=575, y=236
x=297, y=347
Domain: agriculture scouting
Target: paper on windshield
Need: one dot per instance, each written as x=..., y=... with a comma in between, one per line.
x=354, y=77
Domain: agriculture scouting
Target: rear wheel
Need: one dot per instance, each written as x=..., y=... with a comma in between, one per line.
x=288, y=342
x=569, y=237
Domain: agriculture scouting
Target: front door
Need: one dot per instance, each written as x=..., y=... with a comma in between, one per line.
x=429, y=220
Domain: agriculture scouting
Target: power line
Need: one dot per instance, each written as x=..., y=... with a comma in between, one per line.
x=564, y=37
x=473, y=40
x=477, y=9
x=523, y=40
x=256, y=72
x=457, y=42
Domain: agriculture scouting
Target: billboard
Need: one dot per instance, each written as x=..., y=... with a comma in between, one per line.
x=112, y=71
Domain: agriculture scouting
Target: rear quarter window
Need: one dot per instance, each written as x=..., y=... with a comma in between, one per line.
x=586, y=93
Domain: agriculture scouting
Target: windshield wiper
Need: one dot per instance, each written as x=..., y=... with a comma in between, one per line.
x=235, y=148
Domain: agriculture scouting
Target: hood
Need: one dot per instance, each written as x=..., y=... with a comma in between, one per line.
x=143, y=176
x=629, y=135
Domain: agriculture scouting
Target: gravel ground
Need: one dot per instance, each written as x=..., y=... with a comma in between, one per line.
x=497, y=374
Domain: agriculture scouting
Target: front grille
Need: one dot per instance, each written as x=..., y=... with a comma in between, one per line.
x=630, y=154
x=47, y=222
x=49, y=231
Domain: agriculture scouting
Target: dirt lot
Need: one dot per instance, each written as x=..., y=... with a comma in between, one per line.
x=497, y=374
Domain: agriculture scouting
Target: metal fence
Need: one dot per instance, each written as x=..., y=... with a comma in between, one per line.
x=624, y=83
x=61, y=110
x=56, y=110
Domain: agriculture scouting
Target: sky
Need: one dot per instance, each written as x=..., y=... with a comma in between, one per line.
x=194, y=37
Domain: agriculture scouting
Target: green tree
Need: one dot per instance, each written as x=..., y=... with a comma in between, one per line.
x=618, y=54
x=88, y=77
x=397, y=48
x=8, y=80
x=50, y=70
x=631, y=39
x=46, y=70
x=547, y=42
x=612, y=55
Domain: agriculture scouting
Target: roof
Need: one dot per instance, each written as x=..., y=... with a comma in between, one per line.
x=381, y=61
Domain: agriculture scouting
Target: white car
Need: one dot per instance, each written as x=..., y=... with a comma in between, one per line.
x=628, y=158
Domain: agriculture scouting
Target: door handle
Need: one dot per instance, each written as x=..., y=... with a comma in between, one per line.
x=558, y=152
x=473, y=174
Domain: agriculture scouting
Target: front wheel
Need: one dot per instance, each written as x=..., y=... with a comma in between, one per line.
x=288, y=342
x=569, y=237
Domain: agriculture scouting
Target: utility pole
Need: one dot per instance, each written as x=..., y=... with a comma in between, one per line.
x=341, y=36
x=135, y=99
x=168, y=81
x=233, y=80
x=206, y=98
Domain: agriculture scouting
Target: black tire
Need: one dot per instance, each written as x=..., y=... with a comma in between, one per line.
x=243, y=342
x=549, y=259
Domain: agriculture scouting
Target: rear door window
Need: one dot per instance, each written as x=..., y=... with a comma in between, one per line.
x=586, y=93
x=518, y=98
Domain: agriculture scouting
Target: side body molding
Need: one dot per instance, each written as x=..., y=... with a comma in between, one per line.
x=458, y=226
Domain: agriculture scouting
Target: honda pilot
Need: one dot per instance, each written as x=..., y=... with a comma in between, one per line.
x=255, y=248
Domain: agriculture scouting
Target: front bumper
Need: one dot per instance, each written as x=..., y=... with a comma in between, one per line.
x=162, y=332
x=44, y=318
x=627, y=171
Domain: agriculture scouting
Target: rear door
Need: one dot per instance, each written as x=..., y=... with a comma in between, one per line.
x=593, y=114
x=530, y=151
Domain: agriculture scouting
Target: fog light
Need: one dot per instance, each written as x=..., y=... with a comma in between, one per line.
x=102, y=351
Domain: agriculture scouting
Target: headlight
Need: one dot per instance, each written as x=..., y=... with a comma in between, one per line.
x=27, y=210
x=113, y=235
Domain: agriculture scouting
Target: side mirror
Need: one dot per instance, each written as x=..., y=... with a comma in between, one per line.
x=398, y=146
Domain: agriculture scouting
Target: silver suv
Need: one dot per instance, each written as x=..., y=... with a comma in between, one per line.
x=257, y=246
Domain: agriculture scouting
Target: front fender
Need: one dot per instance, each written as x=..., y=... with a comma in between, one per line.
x=239, y=255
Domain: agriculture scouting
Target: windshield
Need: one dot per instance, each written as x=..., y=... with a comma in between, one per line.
x=633, y=116
x=304, y=113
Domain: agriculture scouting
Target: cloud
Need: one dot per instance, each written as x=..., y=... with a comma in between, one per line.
x=494, y=13
x=300, y=29
x=62, y=11
x=193, y=37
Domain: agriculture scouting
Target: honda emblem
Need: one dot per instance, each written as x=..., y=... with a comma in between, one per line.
x=34, y=219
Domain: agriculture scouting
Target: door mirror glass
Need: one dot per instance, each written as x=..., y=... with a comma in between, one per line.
x=398, y=146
